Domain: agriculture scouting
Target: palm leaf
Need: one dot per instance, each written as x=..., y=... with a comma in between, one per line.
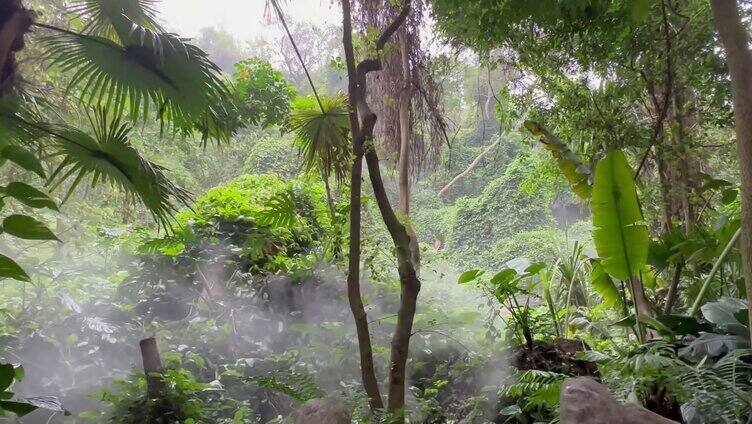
x=620, y=236
x=18, y=108
x=98, y=15
x=323, y=135
x=108, y=157
x=145, y=70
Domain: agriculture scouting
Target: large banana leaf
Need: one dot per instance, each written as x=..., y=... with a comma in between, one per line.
x=323, y=136
x=575, y=171
x=108, y=157
x=604, y=285
x=144, y=69
x=621, y=237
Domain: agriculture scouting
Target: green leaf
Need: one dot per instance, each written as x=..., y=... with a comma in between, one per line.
x=28, y=228
x=106, y=155
x=469, y=276
x=729, y=196
x=604, y=285
x=19, y=373
x=620, y=236
x=23, y=158
x=640, y=10
x=723, y=314
x=7, y=374
x=715, y=184
x=323, y=135
x=714, y=345
x=50, y=403
x=574, y=170
x=535, y=268
x=683, y=325
x=29, y=196
x=18, y=408
x=145, y=70
x=628, y=321
x=511, y=410
x=653, y=323
x=503, y=277
x=592, y=356
x=10, y=269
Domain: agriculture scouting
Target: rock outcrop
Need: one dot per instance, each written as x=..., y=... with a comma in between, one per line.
x=322, y=411
x=585, y=401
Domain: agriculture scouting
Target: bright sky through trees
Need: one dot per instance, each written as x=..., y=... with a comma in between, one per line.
x=244, y=19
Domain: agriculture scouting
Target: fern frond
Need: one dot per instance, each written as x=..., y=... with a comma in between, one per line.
x=541, y=388
x=298, y=386
x=723, y=390
x=280, y=211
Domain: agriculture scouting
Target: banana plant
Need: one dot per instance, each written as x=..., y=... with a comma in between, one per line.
x=621, y=237
x=577, y=173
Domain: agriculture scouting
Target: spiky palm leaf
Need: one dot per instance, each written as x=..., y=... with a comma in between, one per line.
x=97, y=15
x=108, y=157
x=144, y=69
x=18, y=111
x=323, y=137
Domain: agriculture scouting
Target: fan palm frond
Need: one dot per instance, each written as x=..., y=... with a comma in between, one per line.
x=98, y=15
x=146, y=69
x=18, y=110
x=108, y=156
x=323, y=135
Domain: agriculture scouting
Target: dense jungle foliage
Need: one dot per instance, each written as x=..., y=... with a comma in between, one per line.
x=436, y=211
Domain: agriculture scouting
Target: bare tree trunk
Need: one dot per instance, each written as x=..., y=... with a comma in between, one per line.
x=11, y=40
x=329, y=197
x=404, y=123
x=362, y=121
x=152, y=367
x=410, y=287
x=405, y=105
x=469, y=168
x=367, y=370
x=673, y=289
x=739, y=58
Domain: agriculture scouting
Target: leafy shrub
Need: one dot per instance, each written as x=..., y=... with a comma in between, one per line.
x=273, y=155
x=538, y=245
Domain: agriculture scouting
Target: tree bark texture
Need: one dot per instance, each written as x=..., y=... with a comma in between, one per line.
x=739, y=59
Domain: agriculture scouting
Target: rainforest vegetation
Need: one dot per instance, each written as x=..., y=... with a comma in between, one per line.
x=430, y=211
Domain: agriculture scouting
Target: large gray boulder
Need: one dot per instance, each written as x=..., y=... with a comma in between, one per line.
x=585, y=401
x=322, y=411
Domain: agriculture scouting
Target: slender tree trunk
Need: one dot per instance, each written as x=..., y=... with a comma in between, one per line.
x=404, y=123
x=368, y=372
x=152, y=367
x=329, y=197
x=409, y=284
x=739, y=58
x=362, y=121
x=673, y=289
